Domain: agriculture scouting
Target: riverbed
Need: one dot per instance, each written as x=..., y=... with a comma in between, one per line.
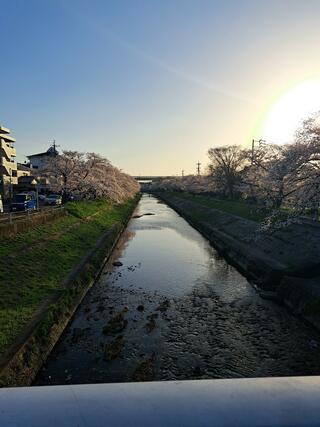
x=167, y=306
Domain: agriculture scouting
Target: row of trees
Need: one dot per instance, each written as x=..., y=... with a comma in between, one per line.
x=272, y=175
x=88, y=175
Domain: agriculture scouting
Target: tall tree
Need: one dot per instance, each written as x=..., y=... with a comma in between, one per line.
x=226, y=162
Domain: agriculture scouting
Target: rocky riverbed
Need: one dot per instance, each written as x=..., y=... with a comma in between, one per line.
x=207, y=322
x=126, y=335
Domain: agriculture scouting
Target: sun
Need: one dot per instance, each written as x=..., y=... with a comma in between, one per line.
x=287, y=113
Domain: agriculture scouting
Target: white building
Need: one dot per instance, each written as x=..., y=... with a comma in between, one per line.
x=38, y=161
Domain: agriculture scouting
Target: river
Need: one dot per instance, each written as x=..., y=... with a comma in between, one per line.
x=167, y=306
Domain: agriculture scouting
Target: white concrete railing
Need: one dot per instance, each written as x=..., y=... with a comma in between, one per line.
x=264, y=402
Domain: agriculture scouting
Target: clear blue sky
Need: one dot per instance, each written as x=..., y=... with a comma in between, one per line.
x=149, y=84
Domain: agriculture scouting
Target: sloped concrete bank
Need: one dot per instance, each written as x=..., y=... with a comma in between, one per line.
x=20, y=364
x=284, y=265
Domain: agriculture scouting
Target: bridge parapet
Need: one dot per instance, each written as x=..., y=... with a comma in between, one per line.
x=243, y=402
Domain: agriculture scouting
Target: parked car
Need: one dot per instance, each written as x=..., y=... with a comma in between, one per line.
x=54, y=200
x=1, y=205
x=23, y=202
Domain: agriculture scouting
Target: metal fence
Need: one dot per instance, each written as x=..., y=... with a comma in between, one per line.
x=11, y=217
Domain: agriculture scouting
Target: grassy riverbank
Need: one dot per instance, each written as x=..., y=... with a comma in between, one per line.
x=251, y=251
x=34, y=264
x=234, y=207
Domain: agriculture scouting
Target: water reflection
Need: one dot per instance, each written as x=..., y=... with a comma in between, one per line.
x=172, y=256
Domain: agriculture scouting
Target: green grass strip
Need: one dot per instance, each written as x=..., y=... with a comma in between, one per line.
x=33, y=264
x=234, y=207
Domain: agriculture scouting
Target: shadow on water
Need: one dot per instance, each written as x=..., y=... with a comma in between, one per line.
x=172, y=308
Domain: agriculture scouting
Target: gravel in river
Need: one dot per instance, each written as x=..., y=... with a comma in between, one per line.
x=171, y=308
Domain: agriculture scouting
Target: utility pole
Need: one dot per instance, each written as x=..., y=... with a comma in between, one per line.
x=198, y=168
x=252, y=151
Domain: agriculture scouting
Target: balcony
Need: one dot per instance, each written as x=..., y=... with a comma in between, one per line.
x=7, y=138
x=8, y=180
x=8, y=166
x=4, y=130
x=7, y=149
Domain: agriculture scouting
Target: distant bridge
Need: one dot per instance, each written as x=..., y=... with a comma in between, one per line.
x=151, y=178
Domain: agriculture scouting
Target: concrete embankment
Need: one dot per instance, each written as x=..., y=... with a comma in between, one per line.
x=25, y=356
x=283, y=265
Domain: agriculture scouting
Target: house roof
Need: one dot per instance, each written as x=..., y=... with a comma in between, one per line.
x=50, y=152
x=23, y=167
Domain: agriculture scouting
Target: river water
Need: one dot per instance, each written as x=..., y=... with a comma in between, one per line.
x=167, y=306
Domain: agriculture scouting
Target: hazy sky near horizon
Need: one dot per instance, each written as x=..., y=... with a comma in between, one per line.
x=153, y=84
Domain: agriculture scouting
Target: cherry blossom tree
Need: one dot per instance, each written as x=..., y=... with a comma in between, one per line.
x=90, y=176
x=190, y=183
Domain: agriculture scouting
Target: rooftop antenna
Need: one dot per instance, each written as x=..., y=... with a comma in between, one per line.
x=54, y=146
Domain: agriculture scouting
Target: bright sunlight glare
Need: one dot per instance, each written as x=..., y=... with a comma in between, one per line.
x=290, y=110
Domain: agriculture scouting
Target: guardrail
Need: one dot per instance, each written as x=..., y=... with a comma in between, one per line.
x=234, y=402
x=11, y=217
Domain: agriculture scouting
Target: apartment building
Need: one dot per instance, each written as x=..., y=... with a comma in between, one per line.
x=8, y=165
